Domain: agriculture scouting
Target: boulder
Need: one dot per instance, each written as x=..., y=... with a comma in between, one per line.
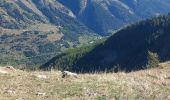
x=41, y=77
x=69, y=74
x=7, y=70
x=41, y=94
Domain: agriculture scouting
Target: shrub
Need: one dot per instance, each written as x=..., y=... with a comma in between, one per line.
x=153, y=60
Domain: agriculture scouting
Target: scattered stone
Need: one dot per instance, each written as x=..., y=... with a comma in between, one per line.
x=168, y=98
x=41, y=94
x=3, y=71
x=7, y=70
x=9, y=91
x=69, y=74
x=168, y=77
x=90, y=94
x=41, y=77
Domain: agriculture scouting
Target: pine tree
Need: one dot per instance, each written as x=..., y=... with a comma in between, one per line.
x=153, y=60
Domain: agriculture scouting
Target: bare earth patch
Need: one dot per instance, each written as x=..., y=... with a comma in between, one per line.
x=153, y=84
x=55, y=37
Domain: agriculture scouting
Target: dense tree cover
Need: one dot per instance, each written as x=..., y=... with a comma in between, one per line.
x=70, y=57
x=127, y=50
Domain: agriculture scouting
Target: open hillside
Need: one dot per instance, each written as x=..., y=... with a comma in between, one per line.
x=153, y=84
x=34, y=31
x=129, y=49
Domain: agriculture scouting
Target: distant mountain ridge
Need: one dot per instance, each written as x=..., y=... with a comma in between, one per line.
x=105, y=15
x=127, y=50
x=100, y=16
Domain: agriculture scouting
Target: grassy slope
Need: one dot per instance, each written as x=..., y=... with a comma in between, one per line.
x=153, y=84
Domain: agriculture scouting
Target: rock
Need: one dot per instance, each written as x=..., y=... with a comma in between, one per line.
x=7, y=70
x=41, y=94
x=69, y=74
x=3, y=71
x=9, y=91
x=42, y=76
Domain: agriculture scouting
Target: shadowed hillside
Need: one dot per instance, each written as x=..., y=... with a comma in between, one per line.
x=102, y=16
x=127, y=50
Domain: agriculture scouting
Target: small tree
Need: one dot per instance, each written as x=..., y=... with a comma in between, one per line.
x=153, y=60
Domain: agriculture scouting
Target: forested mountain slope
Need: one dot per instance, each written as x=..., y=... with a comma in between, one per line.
x=127, y=50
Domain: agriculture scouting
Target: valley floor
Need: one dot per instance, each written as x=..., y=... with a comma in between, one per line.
x=151, y=84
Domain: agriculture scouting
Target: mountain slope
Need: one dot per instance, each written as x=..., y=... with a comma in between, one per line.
x=43, y=28
x=105, y=15
x=126, y=50
x=34, y=31
x=39, y=85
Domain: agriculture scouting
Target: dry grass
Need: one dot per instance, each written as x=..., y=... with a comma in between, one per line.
x=151, y=84
x=36, y=27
